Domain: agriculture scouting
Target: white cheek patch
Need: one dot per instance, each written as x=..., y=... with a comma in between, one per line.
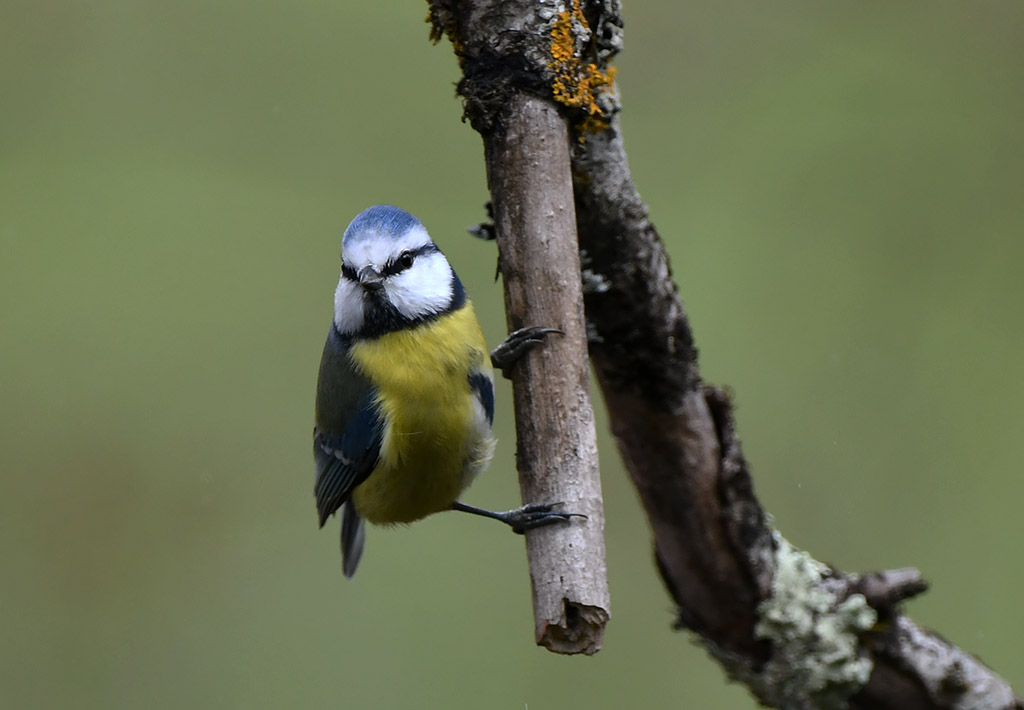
x=423, y=289
x=348, y=307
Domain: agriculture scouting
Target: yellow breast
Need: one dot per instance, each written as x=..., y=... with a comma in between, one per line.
x=433, y=441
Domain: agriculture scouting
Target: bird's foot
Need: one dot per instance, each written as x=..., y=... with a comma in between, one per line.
x=537, y=515
x=485, y=230
x=516, y=345
x=528, y=517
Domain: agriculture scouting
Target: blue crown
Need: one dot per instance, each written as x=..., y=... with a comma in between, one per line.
x=380, y=221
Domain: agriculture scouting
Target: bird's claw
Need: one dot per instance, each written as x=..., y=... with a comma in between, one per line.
x=516, y=345
x=537, y=515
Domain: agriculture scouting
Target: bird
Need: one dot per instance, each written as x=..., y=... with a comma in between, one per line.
x=405, y=391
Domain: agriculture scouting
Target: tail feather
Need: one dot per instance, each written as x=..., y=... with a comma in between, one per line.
x=353, y=535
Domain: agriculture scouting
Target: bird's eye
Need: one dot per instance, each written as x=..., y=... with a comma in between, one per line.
x=398, y=264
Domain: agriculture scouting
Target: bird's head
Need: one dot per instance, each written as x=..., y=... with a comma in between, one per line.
x=393, y=276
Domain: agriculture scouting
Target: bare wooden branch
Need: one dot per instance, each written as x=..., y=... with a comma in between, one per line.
x=887, y=589
x=528, y=174
x=527, y=148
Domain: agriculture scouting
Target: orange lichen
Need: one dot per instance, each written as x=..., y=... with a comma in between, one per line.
x=575, y=84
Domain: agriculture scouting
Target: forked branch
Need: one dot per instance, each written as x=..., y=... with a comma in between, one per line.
x=799, y=633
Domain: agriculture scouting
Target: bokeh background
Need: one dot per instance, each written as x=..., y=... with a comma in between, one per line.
x=840, y=187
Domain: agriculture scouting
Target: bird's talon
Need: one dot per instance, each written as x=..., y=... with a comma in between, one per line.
x=536, y=515
x=529, y=516
x=518, y=344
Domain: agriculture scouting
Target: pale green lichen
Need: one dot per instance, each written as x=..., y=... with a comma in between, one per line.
x=593, y=282
x=815, y=662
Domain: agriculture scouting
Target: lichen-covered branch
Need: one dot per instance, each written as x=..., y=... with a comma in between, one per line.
x=799, y=633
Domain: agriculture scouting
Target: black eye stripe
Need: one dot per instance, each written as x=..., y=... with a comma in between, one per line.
x=393, y=266
x=406, y=259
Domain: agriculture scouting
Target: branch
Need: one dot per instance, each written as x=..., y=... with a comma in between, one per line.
x=799, y=633
x=719, y=557
x=526, y=143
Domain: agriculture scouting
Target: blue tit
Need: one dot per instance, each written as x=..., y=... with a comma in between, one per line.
x=405, y=395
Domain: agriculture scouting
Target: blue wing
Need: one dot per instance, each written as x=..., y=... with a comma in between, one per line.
x=348, y=431
x=483, y=388
x=343, y=462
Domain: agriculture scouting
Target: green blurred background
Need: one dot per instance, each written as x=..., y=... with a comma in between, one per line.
x=840, y=186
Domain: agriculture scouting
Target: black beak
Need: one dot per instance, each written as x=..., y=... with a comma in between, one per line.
x=370, y=279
